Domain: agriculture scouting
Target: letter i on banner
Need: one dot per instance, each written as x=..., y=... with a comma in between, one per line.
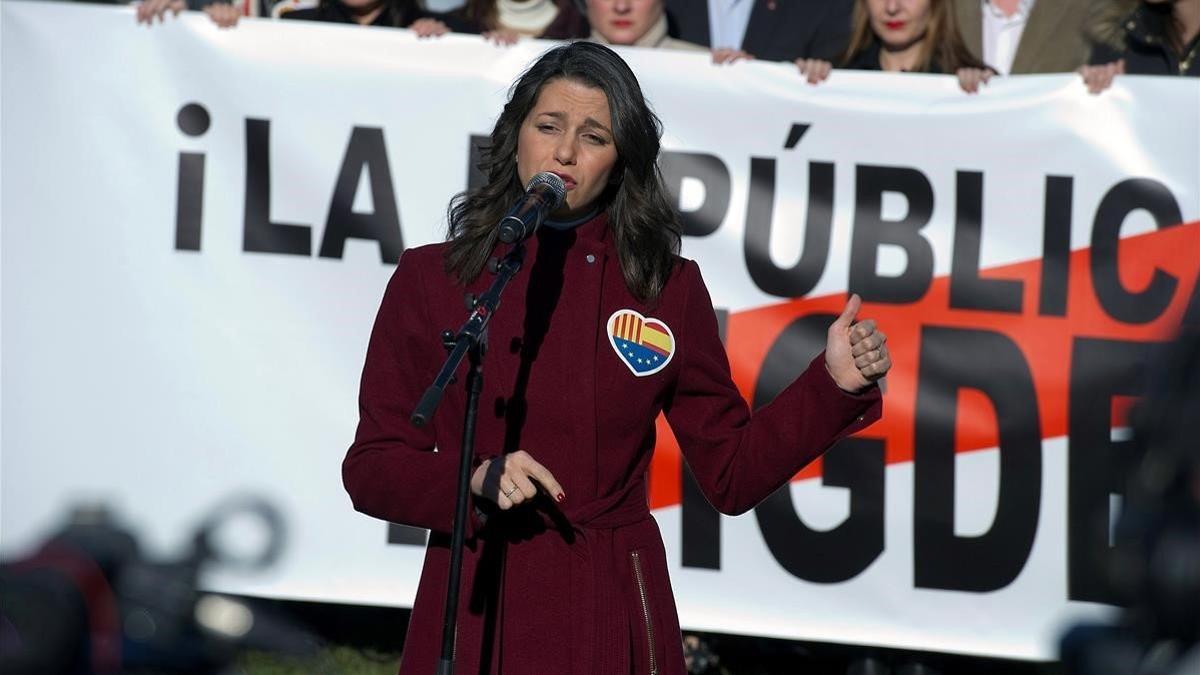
x=193, y=120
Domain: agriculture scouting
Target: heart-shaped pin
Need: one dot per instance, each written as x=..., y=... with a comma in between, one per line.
x=645, y=344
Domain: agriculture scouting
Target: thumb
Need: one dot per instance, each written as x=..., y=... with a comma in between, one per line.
x=851, y=311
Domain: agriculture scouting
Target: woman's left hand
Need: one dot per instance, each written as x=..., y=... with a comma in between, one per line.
x=971, y=78
x=429, y=28
x=856, y=354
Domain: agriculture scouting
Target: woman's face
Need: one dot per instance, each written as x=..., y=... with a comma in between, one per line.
x=623, y=22
x=899, y=23
x=569, y=132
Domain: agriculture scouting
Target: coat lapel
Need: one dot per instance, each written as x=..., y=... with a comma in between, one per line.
x=970, y=24
x=1045, y=19
x=701, y=8
x=758, y=29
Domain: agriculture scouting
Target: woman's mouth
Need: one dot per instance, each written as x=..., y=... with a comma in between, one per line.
x=622, y=23
x=567, y=178
x=894, y=25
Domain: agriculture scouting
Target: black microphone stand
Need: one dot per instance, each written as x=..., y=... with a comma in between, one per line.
x=471, y=340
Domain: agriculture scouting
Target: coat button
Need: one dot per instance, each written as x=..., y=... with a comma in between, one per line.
x=591, y=258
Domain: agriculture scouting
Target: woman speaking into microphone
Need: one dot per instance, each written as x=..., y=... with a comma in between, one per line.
x=604, y=328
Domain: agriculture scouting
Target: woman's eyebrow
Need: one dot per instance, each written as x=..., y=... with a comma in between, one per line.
x=589, y=122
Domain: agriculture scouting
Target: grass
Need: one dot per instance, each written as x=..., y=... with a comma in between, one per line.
x=332, y=661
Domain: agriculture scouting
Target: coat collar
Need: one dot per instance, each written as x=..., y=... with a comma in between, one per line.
x=594, y=231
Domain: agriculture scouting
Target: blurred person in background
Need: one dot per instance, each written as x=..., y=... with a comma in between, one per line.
x=637, y=23
x=1154, y=568
x=1018, y=37
x=770, y=30
x=1150, y=37
x=911, y=36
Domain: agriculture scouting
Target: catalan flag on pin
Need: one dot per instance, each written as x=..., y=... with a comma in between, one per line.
x=644, y=344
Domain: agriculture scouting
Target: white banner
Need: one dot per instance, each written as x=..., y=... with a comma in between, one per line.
x=198, y=225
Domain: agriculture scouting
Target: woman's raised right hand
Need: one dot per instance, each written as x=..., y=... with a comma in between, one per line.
x=513, y=479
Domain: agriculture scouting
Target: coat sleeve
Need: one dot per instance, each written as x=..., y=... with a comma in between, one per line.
x=392, y=471
x=739, y=458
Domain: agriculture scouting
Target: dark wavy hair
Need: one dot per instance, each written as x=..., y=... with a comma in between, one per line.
x=644, y=226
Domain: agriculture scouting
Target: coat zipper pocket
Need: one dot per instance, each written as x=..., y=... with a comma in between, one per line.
x=645, y=599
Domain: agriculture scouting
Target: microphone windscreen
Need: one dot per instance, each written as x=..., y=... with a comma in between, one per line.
x=554, y=185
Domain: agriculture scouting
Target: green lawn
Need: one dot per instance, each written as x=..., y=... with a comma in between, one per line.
x=332, y=661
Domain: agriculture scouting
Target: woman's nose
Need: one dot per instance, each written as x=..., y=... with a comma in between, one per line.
x=564, y=151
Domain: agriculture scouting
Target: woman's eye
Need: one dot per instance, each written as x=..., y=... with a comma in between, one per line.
x=546, y=127
x=596, y=140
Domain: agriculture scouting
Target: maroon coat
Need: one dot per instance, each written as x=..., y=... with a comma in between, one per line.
x=584, y=588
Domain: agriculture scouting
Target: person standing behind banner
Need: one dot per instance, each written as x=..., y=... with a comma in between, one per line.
x=1152, y=37
x=381, y=13
x=910, y=36
x=1018, y=37
x=506, y=21
x=222, y=12
x=635, y=23
x=768, y=30
x=604, y=328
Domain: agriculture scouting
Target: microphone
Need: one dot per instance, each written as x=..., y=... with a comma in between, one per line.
x=543, y=195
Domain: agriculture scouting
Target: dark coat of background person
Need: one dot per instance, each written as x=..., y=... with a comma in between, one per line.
x=1141, y=39
x=779, y=30
x=1055, y=38
x=396, y=15
x=868, y=59
x=582, y=587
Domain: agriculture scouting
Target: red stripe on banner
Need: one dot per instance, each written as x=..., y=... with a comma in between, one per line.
x=1046, y=342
